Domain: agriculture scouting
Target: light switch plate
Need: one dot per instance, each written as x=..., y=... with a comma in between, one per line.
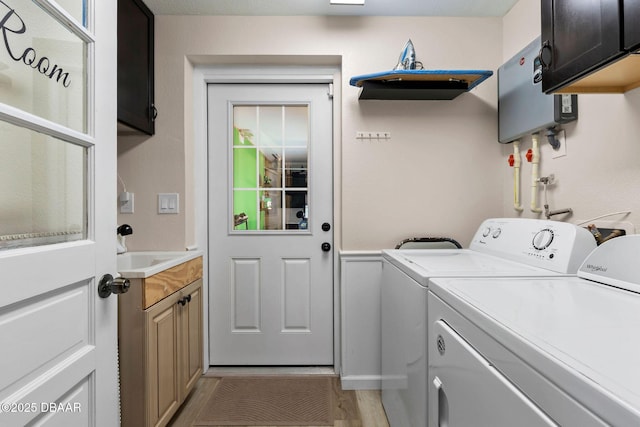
x=168, y=203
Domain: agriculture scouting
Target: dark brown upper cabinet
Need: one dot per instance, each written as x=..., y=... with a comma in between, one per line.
x=631, y=24
x=135, y=66
x=587, y=46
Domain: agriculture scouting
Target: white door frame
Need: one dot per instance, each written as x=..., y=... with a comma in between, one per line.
x=202, y=76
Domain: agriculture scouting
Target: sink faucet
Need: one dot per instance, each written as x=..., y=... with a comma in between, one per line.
x=123, y=230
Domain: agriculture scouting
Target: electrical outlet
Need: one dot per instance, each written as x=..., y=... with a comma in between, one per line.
x=562, y=150
x=126, y=202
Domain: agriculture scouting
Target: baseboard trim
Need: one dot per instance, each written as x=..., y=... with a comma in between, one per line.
x=361, y=382
x=222, y=371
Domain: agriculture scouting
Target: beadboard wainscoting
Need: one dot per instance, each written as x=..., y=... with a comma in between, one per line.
x=360, y=276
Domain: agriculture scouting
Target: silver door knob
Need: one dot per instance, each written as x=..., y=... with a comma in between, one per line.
x=108, y=285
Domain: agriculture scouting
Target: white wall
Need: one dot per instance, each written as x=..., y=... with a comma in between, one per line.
x=438, y=175
x=601, y=172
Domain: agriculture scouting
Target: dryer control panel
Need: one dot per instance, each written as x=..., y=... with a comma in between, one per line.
x=556, y=246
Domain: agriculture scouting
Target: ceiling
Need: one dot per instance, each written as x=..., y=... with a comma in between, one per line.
x=323, y=8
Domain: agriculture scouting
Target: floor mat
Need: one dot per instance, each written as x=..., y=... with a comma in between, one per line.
x=269, y=400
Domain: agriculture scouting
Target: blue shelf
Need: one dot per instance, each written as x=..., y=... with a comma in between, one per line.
x=418, y=84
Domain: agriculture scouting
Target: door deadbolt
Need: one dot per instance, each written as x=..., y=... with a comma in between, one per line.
x=326, y=226
x=108, y=285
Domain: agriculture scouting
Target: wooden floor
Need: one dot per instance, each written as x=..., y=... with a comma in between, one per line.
x=359, y=408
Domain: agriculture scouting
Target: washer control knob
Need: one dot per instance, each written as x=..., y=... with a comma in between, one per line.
x=542, y=239
x=496, y=233
x=486, y=232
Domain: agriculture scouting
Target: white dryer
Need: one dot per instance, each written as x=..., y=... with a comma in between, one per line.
x=539, y=351
x=502, y=247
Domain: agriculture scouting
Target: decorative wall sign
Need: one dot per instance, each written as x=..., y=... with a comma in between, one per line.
x=13, y=26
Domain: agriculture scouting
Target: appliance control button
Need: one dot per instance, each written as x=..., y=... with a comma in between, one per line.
x=496, y=233
x=542, y=239
x=486, y=232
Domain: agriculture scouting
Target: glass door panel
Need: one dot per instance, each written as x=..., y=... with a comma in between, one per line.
x=296, y=166
x=271, y=167
x=271, y=210
x=296, y=127
x=76, y=8
x=42, y=189
x=270, y=157
x=245, y=121
x=270, y=122
x=43, y=65
x=296, y=210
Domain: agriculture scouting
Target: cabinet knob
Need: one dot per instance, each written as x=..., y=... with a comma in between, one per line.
x=546, y=54
x=183, y=301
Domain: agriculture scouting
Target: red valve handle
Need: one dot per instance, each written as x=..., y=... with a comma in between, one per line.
x=529, y=155
x=512, y=160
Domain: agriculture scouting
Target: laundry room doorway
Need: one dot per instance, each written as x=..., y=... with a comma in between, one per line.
x=270, y=224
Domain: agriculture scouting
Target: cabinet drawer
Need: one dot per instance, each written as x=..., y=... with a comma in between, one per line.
x=163, y=284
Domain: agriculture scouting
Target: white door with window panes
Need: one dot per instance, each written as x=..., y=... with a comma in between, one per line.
x=58, y=363
x=270, y=218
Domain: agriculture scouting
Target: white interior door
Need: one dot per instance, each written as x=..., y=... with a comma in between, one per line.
x=58, y=364
x=270, y=218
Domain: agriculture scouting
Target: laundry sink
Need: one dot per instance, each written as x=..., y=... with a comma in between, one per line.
x=136, y=265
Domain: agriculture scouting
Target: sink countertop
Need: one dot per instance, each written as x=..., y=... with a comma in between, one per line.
x=140, y=265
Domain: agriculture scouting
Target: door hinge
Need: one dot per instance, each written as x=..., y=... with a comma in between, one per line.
x=330, y=93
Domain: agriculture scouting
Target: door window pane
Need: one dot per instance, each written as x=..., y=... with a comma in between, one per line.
x=271, y=170
x=75, y=8
x=244, y=206
x=43, y=65
x=270, y=157
x=42, y=189
x=296, y=210
x=270, y=125
x=271, y=210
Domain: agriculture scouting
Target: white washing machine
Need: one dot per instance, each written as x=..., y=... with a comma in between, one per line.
x=503, y=247
x=539, y=351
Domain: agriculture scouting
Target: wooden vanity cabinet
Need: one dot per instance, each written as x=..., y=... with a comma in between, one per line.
x=160, y=348
x=190, y=343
